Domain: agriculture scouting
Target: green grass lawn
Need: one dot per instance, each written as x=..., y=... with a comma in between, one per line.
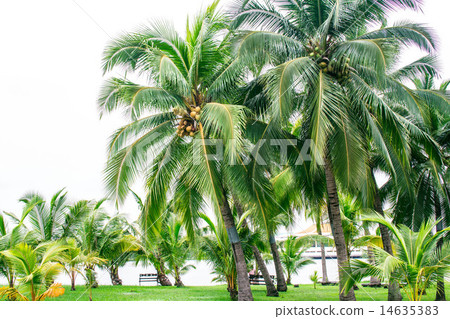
x=219, y=293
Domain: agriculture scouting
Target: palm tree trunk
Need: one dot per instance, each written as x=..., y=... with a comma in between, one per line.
x=33, y=293
x=178, y=281
x=72, y=280
x=393, y=288
x=231, y=288
x=322, y=255
x=114, y=274
x=281, y=282
x=271, y=290
x=440, y=289
x=161, y=272
x=244, y=290
x=338, y=233
x=374, y=281
x=11, y=279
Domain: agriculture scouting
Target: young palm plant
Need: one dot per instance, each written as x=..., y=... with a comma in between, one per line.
x=329, y=71
x=416, y=262
x=10, y=237
x=73, y=261
x=47, y=218
x=36, y=270
x=216, y=250
x=187, y=101
x=291, y=257
x=175, y=249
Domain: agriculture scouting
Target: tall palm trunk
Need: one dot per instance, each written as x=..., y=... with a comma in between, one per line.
x=393, y=288
x=322, y=254
x=244, y=290
x=281, y=281
x=374, y=281
x=338, y=233
x=271, y=290
x=72, y=280
x=440, y=291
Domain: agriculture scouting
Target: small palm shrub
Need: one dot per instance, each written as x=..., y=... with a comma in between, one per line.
x=417, y=262
x=314, y=278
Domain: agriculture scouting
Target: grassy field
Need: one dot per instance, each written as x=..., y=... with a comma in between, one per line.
x=219, y=293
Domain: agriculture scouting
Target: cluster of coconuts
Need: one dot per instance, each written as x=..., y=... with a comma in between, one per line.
x=188, y=121
x=316, y=52
x=340, y=69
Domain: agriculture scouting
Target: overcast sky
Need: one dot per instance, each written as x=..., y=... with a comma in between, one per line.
x=50, y=132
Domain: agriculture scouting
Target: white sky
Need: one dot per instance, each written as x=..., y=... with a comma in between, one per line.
x=50, y=133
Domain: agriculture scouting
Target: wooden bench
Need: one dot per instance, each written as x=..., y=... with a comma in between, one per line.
x=148, y=278
x=258, y=279
x=369, y=285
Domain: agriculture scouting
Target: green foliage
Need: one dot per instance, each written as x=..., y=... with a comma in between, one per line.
x=35, y=268
x=291, y=256
x=314, y=278
x=416, y=263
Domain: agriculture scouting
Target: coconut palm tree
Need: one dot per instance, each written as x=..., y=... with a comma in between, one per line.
x=217, y=251
x=73, y=261
x=116, y=244
x=329, y=71
x=416, y=262
x=187, y=101
x=55, y=219
x=291, y=257
x=316, y=213
x=47, y=218
x=35, y=270
x=175, y=249
x=90, y=261
x=90, y=238
x=271, y=290
x=12, y=236
x=428, y=172
x=150, y=252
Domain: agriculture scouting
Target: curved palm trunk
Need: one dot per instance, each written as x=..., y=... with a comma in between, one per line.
x=338, y=233
x=281, y=281
x=393, y=288
x=161, y=272
x=322, y=257
x=440, y=289
x=114, y=274
x=244, y=290
x=178, y=281
x=271, y=290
